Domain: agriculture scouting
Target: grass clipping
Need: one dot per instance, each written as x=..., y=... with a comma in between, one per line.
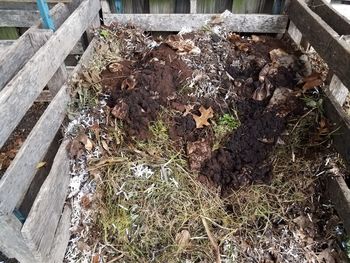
x=150, y=208
x=153, y=209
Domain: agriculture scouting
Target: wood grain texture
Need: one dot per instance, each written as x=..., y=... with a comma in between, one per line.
x=338, y=90
x=33, y=77
x=19, y=175
x=38, y=38
x=18, y=18
x=176, y=22
x=193, y=7
x=62, y=237
x=40, y=227
x=22, y=49
x=339, y=194
x=11, y=241
x=333, y=18
x=326, y=41
x=33, y=1
x=294, y=33
x=335, y=113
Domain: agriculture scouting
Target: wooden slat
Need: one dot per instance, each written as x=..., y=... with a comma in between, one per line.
x=338, y=90
x=22, y=49
x=339, y=194
x=6, y=43
x=193, y=6
x=11, y=240
x=33, y=77
x=323, y=38
x=176, y=22
x=40, y=227
x=19, y=175
x=62, y=237
x=333, y=18
x=33, y=1
x=18, y=18
x=39, y=38
x=335, y=113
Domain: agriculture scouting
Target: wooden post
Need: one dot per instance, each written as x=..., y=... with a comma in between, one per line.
x=193, y=8
x=11, y=240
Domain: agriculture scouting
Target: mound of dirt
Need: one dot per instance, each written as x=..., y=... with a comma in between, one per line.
x=139, y=89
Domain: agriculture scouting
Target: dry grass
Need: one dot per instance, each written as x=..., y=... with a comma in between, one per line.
x=149, y=200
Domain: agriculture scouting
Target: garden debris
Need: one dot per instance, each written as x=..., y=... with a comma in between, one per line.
x=167, y=180
x=202, y=120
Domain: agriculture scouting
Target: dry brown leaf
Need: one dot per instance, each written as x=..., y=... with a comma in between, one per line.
x=281, y=58
x=202, y=120
x=82, y=246
x=89, y=145
x=233, y=37
x=120, y=110
x=95, y=258
x=182, y=239
x=188, y=109
x=74, y=148
x=105, y=146
x=198, y=152
x=263, y=91
x=116, y=67
x=40, y=165
x=85, y=202
x=312, y=81
x=129, y=83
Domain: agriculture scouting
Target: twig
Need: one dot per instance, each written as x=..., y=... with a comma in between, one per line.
x=212, y=241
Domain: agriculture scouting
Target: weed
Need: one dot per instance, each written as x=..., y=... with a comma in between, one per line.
x=224, y=126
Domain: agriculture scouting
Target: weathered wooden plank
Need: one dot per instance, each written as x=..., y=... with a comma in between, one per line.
x=333, y=18
x=38, y=38
x=339, y=194
x=33, y=1
x=294, y=33
x=106, y=9
x=19, y=175
x=18, y=18
x=33, y=77
x=338, y=90
x=6, y=43
x=161, y=7
x=91, y=30
x=62, y=236
x=11, y=241
x=175, y=22
x=193, y=7
x=323, y=38
x=335, y=113
x=40, y=226
x=22, y=49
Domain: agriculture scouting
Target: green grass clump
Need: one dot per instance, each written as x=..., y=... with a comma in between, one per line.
x=225, y=125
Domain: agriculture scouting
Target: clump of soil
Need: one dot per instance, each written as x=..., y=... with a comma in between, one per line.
x=139, y=89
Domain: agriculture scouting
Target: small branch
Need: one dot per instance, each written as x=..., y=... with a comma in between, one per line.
x=212, y=241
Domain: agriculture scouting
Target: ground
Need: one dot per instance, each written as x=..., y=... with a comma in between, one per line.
x=203, y=146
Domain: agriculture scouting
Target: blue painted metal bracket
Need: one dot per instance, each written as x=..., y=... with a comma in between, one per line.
x=118, y=6
x=45, y=14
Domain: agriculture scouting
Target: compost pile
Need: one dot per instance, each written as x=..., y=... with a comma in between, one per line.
x=191, y=148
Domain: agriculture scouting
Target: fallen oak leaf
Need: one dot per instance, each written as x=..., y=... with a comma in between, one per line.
x=202, y=120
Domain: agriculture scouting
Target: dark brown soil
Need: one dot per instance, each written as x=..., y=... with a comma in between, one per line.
x=140, y=88
x=14, y=143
